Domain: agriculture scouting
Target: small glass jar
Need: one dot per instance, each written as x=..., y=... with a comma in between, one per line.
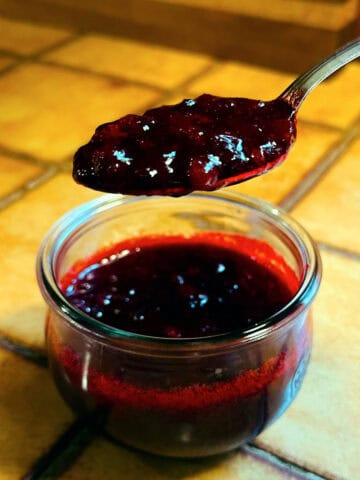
x=178, y=397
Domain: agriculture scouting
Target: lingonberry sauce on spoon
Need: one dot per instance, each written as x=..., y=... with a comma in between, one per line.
x=200, y=144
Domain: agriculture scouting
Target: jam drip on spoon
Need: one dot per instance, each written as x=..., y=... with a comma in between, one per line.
x=200, y=144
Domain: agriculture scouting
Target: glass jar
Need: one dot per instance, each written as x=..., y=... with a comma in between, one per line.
x=178, y=397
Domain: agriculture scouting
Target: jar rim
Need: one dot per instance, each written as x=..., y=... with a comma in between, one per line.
x=74, y=220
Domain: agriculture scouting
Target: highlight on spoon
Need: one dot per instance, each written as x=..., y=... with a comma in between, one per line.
x=303, y=85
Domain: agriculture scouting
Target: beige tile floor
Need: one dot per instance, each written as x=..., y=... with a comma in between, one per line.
x=321, y=428
x=134, y=61
x=55, y=87
x=32, y=415
x=314, y=213
x=26, y=39
x=94, y=464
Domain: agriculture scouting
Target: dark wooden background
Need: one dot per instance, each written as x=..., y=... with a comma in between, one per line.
x=289, y=35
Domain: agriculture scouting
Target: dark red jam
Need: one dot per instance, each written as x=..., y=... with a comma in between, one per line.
x=164, y=401
x=173, y=286
x=200, y=144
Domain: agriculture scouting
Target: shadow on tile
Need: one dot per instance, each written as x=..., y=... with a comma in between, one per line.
x=104, y=459
x=111, y=460
x=171, y=468
x=174, y=469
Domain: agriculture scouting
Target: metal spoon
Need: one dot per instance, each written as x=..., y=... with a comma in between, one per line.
x=296, y=93
x=199, y=144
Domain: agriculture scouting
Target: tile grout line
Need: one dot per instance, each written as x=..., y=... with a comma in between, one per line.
x=32, y=354
x=37, y=57
x=4, y=71
x=315, y=124
x=34, y=57
x=214, y=63
x=282, y=463
x=13, y=55
x=67, y=447
x=314, y=176
x=339, y=251
x=13, y=197
x=73, y=441
x=168, y=93
x=73, y=36
x=27, y=157
x=107, y=76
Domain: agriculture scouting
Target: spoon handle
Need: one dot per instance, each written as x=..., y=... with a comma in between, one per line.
x=299, y=89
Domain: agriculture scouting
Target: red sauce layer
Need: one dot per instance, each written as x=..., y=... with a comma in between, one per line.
x=113, y=390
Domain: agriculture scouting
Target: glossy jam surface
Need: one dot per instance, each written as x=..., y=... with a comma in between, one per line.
x=200, y=144
x=178, y=287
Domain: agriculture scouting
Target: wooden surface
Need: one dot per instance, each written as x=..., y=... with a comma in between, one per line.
x=292, y=35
